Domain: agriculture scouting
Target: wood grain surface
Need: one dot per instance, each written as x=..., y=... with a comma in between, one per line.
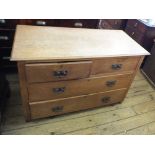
x=55, y=43
x=105, y=65
x=47, y=108
x=44, y=72
x=62, y=89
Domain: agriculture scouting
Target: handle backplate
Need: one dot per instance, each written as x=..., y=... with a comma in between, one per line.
x=60, y=74
x=59, y=90
x=106, y=99
x=116, y=66
x=57, y=109
x=111, y=83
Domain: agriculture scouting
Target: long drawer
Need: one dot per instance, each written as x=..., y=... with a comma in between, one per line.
x=62, y=89
x=61, y=106
x=44, y=72
x=114, y=65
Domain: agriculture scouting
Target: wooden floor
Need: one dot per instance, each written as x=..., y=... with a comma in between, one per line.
x=136, y=115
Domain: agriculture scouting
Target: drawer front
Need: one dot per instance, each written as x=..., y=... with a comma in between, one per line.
x=62, y=89
x=61, y=106
x=44, y=72
x=9, y=23
x=6, y=38
x=136, y=25
x=138, y=37
x=103, y=24
x=114, y=65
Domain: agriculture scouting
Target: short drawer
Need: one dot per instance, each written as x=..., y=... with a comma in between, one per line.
x=114, y=65
x=136, y=25
x=9, y=23
x=6, y=38
x=61, y=106
x=137, y=36
x=44, y=72
x=62, y=89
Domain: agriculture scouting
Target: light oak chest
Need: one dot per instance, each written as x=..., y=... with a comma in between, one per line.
x=64, y=70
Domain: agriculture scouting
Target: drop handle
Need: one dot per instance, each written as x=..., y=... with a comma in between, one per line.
x=4, y=38
x=40, y=22
x=106, y=99
x=116, y=66
x=60, y=74
x=59, y=90
x=57, y=109
x=111, y=83
x=2, y=21
x=78, y=24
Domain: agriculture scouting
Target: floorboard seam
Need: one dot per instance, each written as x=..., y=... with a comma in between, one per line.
x=113, y=122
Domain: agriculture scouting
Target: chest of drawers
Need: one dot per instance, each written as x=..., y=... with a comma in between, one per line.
x=64, y=70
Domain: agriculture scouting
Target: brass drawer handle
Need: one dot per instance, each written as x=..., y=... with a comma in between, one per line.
x=2, y=21
x=78, y=24
x=57, y=109
x=59, y=90
x=4, y=38
x=60, y=74
x=106, y=99
x=116, y=66
x=42, y=23
x=111, y=83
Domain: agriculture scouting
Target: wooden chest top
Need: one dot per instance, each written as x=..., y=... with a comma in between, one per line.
x=55, y=43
